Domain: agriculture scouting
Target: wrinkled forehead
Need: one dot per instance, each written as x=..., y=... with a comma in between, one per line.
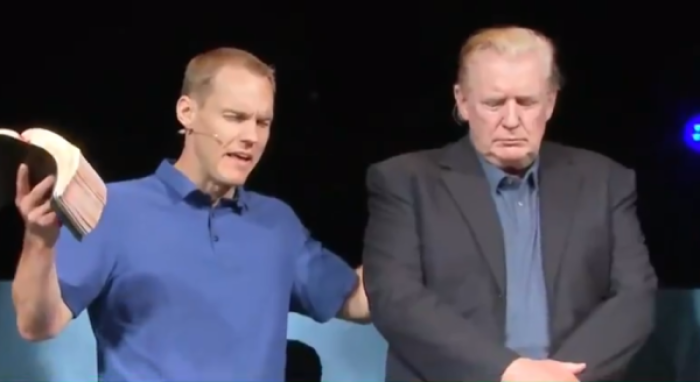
x=490, y=71
x=241, y=90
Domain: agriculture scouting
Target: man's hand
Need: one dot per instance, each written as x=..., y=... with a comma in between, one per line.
x=571, y=367
x=528, y=370
x=41, y=222
x=356, y=307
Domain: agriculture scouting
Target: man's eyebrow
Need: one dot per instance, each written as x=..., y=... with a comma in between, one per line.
x=526, y=98
x=503, y=98
x=235, y=111
x=265, y=117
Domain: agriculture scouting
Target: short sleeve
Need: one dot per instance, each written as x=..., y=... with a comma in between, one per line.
x=323, y=281
x=83, y=266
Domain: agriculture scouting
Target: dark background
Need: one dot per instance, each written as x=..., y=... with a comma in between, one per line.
x=359, y=83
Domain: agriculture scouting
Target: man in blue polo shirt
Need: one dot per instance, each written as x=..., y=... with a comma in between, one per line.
x=188, y=276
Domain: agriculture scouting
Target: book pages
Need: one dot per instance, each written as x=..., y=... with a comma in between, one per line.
x=83, y=199
x=79, y=195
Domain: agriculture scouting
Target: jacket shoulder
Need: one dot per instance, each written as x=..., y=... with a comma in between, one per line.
x=586, y=161
x=415, y=163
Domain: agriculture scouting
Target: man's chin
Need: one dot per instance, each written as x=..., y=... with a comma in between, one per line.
x=231, y=180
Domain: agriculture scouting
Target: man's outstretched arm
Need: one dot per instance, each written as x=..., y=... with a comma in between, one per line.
x=325, y=286
x=356, y=306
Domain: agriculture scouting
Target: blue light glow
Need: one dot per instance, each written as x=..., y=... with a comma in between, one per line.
x=691, y=133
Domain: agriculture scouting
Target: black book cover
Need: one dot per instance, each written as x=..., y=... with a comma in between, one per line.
x=14, y=152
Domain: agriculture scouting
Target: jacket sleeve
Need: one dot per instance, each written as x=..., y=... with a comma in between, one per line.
x=608, y=339
x=436, y=341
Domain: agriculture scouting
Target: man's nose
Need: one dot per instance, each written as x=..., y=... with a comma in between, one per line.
x=249, y=132
x=511, y=119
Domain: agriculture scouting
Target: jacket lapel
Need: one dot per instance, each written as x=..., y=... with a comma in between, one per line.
x=560, y=185
x=467, y=184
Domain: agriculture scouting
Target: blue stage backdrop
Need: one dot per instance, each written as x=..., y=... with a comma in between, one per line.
x=349, y=353
x=69, y=357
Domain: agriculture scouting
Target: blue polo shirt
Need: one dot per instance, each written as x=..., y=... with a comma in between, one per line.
x=178, y=290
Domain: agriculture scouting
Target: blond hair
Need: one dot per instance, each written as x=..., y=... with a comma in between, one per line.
x=202, y=69
x=511, y=41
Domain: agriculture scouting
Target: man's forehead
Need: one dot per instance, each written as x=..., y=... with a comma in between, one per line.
x=232, y=72
x=246, y=88
x=517, y=85
x=489, y=63
x=246, y=108
x=230, y=102
x=497, y=73
x=252, y=95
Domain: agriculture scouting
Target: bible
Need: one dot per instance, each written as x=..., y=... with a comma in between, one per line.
x=79, y=194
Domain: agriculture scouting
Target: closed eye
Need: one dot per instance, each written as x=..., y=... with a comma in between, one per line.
x=237, y=117
x=264, y=123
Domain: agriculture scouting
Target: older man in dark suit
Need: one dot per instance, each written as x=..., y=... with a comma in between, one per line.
x=500, y=257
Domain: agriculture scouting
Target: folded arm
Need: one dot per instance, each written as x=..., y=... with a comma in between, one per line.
x=608, y=339
x=429, y=335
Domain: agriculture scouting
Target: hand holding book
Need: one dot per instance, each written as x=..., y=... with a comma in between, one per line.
x=73, y=191
x=41, y=222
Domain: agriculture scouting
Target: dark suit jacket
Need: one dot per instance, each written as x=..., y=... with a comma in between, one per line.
x=434, y=265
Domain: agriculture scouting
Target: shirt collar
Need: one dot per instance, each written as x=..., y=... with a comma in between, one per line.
x=182, y=188
x=496, y=176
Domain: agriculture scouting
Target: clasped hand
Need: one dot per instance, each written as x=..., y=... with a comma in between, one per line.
x=529, y=370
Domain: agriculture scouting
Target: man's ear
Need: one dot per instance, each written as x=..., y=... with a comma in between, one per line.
x=460, y=103
x=186, y=110
x=552, y=100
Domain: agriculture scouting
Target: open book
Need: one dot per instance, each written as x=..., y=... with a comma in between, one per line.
x=79, y=194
